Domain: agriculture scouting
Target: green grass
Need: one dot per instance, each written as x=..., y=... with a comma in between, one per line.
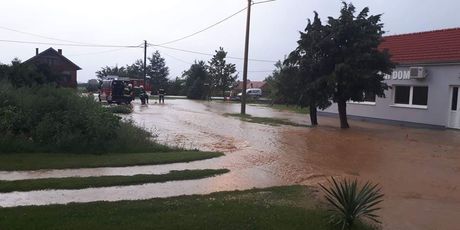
x=105, y=181
x=120, y=109
x=35, y=161
x=265, y=120
x=291, y=108
x=284, y=107
x=274, y=208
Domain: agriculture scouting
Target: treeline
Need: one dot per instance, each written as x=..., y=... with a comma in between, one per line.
x=27, y=75
x=200, y=81
x=156, y=70
x=334, y=62
x=213, y=78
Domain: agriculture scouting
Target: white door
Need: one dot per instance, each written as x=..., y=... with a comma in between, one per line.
x=454, y=108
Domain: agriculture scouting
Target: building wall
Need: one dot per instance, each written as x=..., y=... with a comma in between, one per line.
x=59, y=66
x=439, y=80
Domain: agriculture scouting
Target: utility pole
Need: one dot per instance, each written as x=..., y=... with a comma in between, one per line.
x=246, y=54
x=145, y=62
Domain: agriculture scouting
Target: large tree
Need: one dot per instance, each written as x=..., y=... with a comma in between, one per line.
x=359, y=64
x=136, y=70
x=222, y=73
x=197, y=81
x=314, y=64
x=108, y=71
x=157, y=71
x=284, y=83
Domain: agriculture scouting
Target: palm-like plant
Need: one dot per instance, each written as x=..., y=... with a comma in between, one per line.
x=350, y=202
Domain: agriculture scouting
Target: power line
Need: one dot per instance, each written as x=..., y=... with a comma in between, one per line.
x=203, y=30
x=209, y=54
x=66, y=44
x=213, y=25
x=260, y=71
x=123, y=47
x=255, y=3
x=176, y=58
x=101, y=52
x=42, y=36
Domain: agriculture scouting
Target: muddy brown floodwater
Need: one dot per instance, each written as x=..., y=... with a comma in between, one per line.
x=419, y=169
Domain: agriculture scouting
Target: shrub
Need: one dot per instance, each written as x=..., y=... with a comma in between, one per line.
x=350, y=202
x=50, y=119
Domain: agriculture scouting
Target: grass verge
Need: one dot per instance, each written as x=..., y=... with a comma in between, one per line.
x=291, y=108
x=264, y=120
x=105, y=181
x=274, y=208
x=36, y=161
x=120, y=109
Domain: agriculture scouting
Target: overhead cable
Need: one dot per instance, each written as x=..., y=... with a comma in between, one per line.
x=203, y=30
x=67, y=44
x=209, y=54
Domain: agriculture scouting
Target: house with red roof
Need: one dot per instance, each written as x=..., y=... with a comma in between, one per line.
x=238, y=88
x=424, y=86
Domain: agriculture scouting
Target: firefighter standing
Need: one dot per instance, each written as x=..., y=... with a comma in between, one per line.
x=161, y=96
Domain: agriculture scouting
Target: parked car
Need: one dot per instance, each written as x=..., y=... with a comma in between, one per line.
x=253, y=93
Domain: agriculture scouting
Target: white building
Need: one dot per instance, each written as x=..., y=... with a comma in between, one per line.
x=424, y=87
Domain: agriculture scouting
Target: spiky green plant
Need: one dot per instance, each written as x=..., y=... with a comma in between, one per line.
x=349, y=201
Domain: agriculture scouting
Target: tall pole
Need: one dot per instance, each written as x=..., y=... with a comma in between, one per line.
x=246, y=54
x=145, y=62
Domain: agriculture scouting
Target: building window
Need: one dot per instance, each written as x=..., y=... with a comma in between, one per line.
x=368, y=99
x=420, y=95
x=454, y=99
x=411, y=96
x=402, y=95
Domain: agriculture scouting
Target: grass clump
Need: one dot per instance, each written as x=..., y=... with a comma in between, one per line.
x=264, y=120
x=105, y=181
x=37, y=161
x=120, y=109
x=291, y=207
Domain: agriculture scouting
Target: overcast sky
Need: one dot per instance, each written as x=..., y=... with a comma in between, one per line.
x=274, y=31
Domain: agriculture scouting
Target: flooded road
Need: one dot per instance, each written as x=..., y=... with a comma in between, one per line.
x=418, y=169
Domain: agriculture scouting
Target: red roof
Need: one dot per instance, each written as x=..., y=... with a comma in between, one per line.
x=250, y=84
x=439, y=46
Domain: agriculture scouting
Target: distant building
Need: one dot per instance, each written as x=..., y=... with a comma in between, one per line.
x=58, y=64
x=251, y=85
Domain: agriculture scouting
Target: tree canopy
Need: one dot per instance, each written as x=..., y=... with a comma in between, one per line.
x=26, y=75
x=222, y=73
x=336, y=62
x=359, y=66
x=197, y=81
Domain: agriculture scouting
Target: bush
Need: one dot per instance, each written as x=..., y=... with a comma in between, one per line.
x=349, y=202
x=120, y=109
x=50, y=119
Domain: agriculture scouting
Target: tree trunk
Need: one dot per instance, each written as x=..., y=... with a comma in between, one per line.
x=343, y=114
x=313, y=114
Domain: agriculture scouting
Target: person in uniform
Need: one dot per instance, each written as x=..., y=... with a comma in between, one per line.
x=161, y=96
